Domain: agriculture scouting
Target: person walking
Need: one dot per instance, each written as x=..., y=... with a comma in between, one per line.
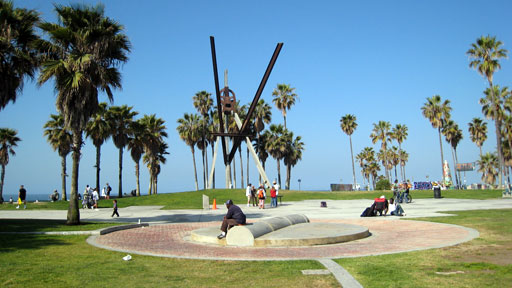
x=22, y=197
x=115, y=209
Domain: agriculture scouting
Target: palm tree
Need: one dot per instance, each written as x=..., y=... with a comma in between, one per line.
x=84, y=50
x=8, y=140
x=136, y=146
x=154, y=148
x=188, y=130
x=373, y=169
x=348, y=125
x=404, y=157
x=381, y=132
x=478, y=132
x=203, y=103
x=262, y=116
x=276, y=145
x=488, y=166
x=485, y=54
x=120, y=119
x=399, y=133
x=99, y=130
x=437, y=113
x=259, y=147
x=18, y=52
x=293, y=154
x=453, y=136
x=394, y=158
x=284, y=99
x=61, y=140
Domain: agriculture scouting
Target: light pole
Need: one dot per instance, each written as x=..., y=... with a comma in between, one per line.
x=299, y=183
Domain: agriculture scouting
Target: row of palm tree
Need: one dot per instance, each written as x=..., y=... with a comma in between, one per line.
x=196, y=130
x=389, y=157
x=142, y=137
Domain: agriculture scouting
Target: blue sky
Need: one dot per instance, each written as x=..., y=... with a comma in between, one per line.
x=378, y=60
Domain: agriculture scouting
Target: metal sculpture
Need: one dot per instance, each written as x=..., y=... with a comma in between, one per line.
x=225, y=105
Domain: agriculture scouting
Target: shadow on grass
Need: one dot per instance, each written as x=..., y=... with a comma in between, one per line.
x=184, y=218
x=39, y=225
x=19, y=242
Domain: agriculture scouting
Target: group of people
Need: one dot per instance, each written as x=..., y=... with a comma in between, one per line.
x=261, y=194
x=381, y=206
x=91, y=196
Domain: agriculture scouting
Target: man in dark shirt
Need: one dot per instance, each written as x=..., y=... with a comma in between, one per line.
x=22, y=195
x=234, y=217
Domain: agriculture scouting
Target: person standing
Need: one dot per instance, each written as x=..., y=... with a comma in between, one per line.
x=261, y=197
x=248, y=194
x=108, y=191
x=104, y=192
x=95, y=198
x=273, y=197
x=115, y=209
x=22, y=196
x=253, y=196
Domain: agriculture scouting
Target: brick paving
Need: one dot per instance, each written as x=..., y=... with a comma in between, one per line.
x=170, y=240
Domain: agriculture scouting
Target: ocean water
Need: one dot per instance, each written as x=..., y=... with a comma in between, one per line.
x=30, y=197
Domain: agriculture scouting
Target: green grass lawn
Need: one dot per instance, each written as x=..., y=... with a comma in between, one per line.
x=485, y=261
x=39, y=225
x=193, y=200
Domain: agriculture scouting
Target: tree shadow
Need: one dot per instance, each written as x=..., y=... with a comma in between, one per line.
x=20, y=242
x=185, y=218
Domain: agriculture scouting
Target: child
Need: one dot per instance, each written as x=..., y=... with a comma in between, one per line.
x=261, y=197
x=115, y=209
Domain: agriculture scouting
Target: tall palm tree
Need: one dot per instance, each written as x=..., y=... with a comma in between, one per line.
x=259, y=147
x=120, y=119
x=262, y=116
x=203, y=103
x=189, y=132
x=18, y=52
x=83, y=52
x=399, y=133
x=8, y=140
x=453, y=135
x=136, y=146
x=293, y=154
x=154, y=148
x=394, y=158
x=381, y=132
x=485, y=54
x=478, y=132
x=488, y=166
x=348, y=125
x=404, y=157
x=373, y=169
x=61, y=140
x=99, y=130
x=284, y=98
x=276, y=145
x=437, y=112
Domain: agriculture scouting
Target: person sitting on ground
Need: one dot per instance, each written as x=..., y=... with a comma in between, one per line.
x=11, y=201
x=381, y=205
x=54, y=196
x=396, y=209
x=233, y=217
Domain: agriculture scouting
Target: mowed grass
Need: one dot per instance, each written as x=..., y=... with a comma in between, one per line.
x=483, y=262
x=68, y=261
x=41, y=225
x=194, y=200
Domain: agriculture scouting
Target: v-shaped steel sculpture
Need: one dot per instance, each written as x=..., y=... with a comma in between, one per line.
x=225, y=103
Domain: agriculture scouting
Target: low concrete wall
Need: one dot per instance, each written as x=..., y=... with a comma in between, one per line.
x=245, y=235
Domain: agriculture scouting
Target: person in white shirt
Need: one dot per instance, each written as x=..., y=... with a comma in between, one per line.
x=276, y=186
x=95, y=197
x=248, y=194
x=396, y=209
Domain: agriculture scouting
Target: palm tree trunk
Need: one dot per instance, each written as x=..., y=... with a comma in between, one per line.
x=248, y=166
x=457, y=162
x=497, y=124
x=150, y=183
x=352, y=157
x=213, y=180
x=284, y=116
x=241, y=166
x=137, y=167
x=195, y=170
x=279, y=172
x=155, y=184
x=120, y=188
x=288, y=176
x=480, y=151
x=2, y=177
x=454, y=169
x=442, y=156
x=98, y=157
x=73, y=217
x=63, y=178
x=206, y=161
x=204, y=166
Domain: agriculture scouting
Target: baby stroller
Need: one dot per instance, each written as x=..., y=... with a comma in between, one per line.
x=87, y=201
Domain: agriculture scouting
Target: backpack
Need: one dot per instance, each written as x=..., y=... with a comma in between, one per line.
x=368, y=212
x=260, y=194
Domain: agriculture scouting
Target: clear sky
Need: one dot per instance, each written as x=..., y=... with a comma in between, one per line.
x=378, y=60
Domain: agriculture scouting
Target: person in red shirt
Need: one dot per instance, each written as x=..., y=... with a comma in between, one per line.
x=273, y=197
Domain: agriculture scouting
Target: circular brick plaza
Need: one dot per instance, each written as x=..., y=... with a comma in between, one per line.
x=388, y=236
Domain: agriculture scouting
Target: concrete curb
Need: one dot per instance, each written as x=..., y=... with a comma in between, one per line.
x=102, y=231
x=122, y=227
x=344, y=278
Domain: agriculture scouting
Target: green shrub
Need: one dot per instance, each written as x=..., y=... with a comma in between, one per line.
x=383, y=184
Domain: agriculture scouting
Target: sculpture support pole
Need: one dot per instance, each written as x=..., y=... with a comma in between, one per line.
x=210, y=178
x=253, y=153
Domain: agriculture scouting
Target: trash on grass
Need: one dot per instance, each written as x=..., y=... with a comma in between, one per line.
x=127, y=258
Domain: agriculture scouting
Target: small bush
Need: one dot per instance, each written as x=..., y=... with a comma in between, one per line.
x=383, y=184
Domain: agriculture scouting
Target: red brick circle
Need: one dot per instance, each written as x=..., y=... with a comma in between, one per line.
x=388, y=236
